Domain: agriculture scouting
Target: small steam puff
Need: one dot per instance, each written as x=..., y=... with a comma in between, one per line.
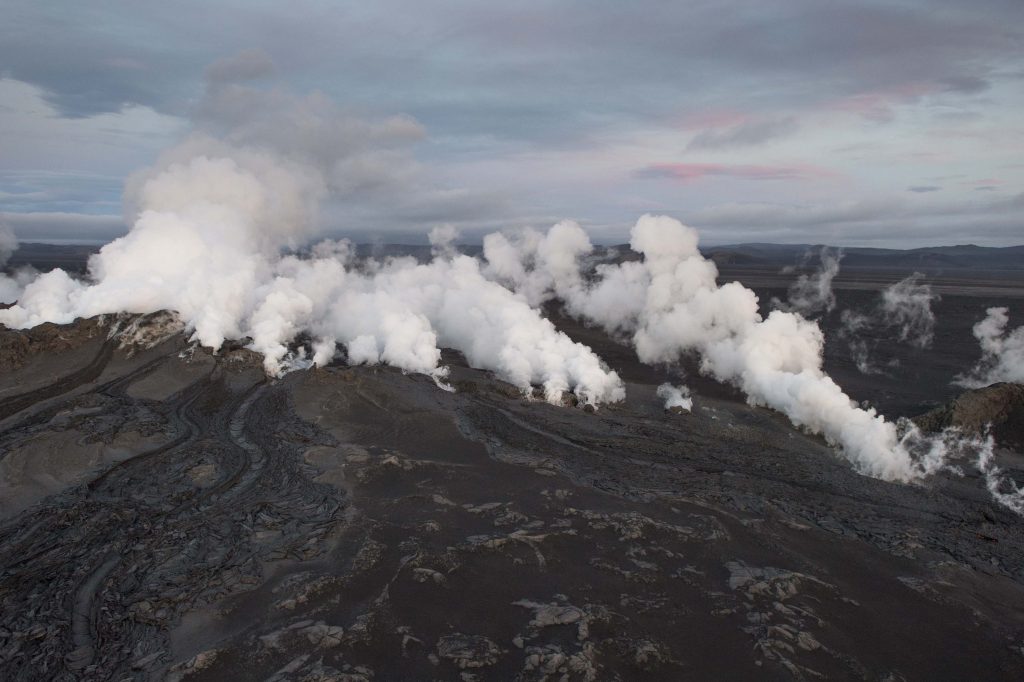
x=1002, y=352
x=907, y=306
x=675, y=397
x=669, y=304
x=10, y=287
x=852, y=326
x=8, y=244
x=905, y=310
x=812, y=294
x=1002, y=488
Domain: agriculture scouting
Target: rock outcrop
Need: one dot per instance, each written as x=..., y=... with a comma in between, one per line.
x=999, y=407
x=18, y=346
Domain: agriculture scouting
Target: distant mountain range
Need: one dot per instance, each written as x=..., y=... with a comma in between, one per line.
x=70, y=257
x=73, y=257
x=926, y=259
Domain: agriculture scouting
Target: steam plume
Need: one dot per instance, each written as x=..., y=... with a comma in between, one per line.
x=8, y=243
x=1002, y=352
x=904, y=309
x=10, y=286
x=1002, y=488
x=852, y=326
x=675, y=396
x=812, y=294
x=907, y=306
x=669, y=305
x=211, y=219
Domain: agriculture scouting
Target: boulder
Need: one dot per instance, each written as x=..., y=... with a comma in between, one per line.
x=999, y=406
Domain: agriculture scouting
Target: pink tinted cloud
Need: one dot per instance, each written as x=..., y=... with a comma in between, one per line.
x=688, y=172
x=878, y=105
x=984, y=183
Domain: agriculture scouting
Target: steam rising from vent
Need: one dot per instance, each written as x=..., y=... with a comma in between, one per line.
x=905, y=311
x=8, y=244
x=212, y=217
x=1002, y=488
x=812, y=294
x=675, y=396
x=206, y=244
x=211, y=220
x=669, y=304
x=11, y=286
x=907, y=306
x=1002, y=352
x=852, y=327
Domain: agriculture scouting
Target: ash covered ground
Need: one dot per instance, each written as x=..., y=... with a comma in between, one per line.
x=169, y=513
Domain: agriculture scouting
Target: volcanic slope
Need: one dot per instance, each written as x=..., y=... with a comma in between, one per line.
x=173, y=514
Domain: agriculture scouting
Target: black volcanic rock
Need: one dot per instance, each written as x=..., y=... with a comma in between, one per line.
x=167, y=512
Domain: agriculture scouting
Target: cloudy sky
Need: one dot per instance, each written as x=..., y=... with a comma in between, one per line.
x=859, y=123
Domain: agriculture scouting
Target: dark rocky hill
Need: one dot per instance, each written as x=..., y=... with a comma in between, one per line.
x=169, y=513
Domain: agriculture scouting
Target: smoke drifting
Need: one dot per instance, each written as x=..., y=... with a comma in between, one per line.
x=8, y=244
x=904, y=311
x=11, y=286
x=9, y=290
x=211, y=219
x=1003, y=489
x=853, y=326
x=1002, y=352
x=669, y=305
x=907, y=307
x=216, y=221
x=812, y=294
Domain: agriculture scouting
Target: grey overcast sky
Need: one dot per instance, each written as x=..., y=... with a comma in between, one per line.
x=894, y=123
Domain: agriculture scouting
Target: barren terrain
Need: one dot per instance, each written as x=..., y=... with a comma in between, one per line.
x=168, y=513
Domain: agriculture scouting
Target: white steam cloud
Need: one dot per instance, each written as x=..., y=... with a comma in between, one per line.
x=675, y=396
x=1002, y=352
x=669, y=304
x=211, y=220
x=213, y=223
x=812, y=294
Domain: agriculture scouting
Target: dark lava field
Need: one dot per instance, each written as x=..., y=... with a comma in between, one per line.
x=169, y=513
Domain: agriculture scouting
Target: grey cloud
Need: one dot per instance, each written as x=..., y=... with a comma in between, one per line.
x=533, y=71
x=246, y=65
x=687, y=172
x=507, y=82
x=27, y=191
x=410, y=217
x=311, y=126
x=882, y=221
x=86, y=68
x=745, y=134
x=967, y=84
x=922, y=189
x=367, y=164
